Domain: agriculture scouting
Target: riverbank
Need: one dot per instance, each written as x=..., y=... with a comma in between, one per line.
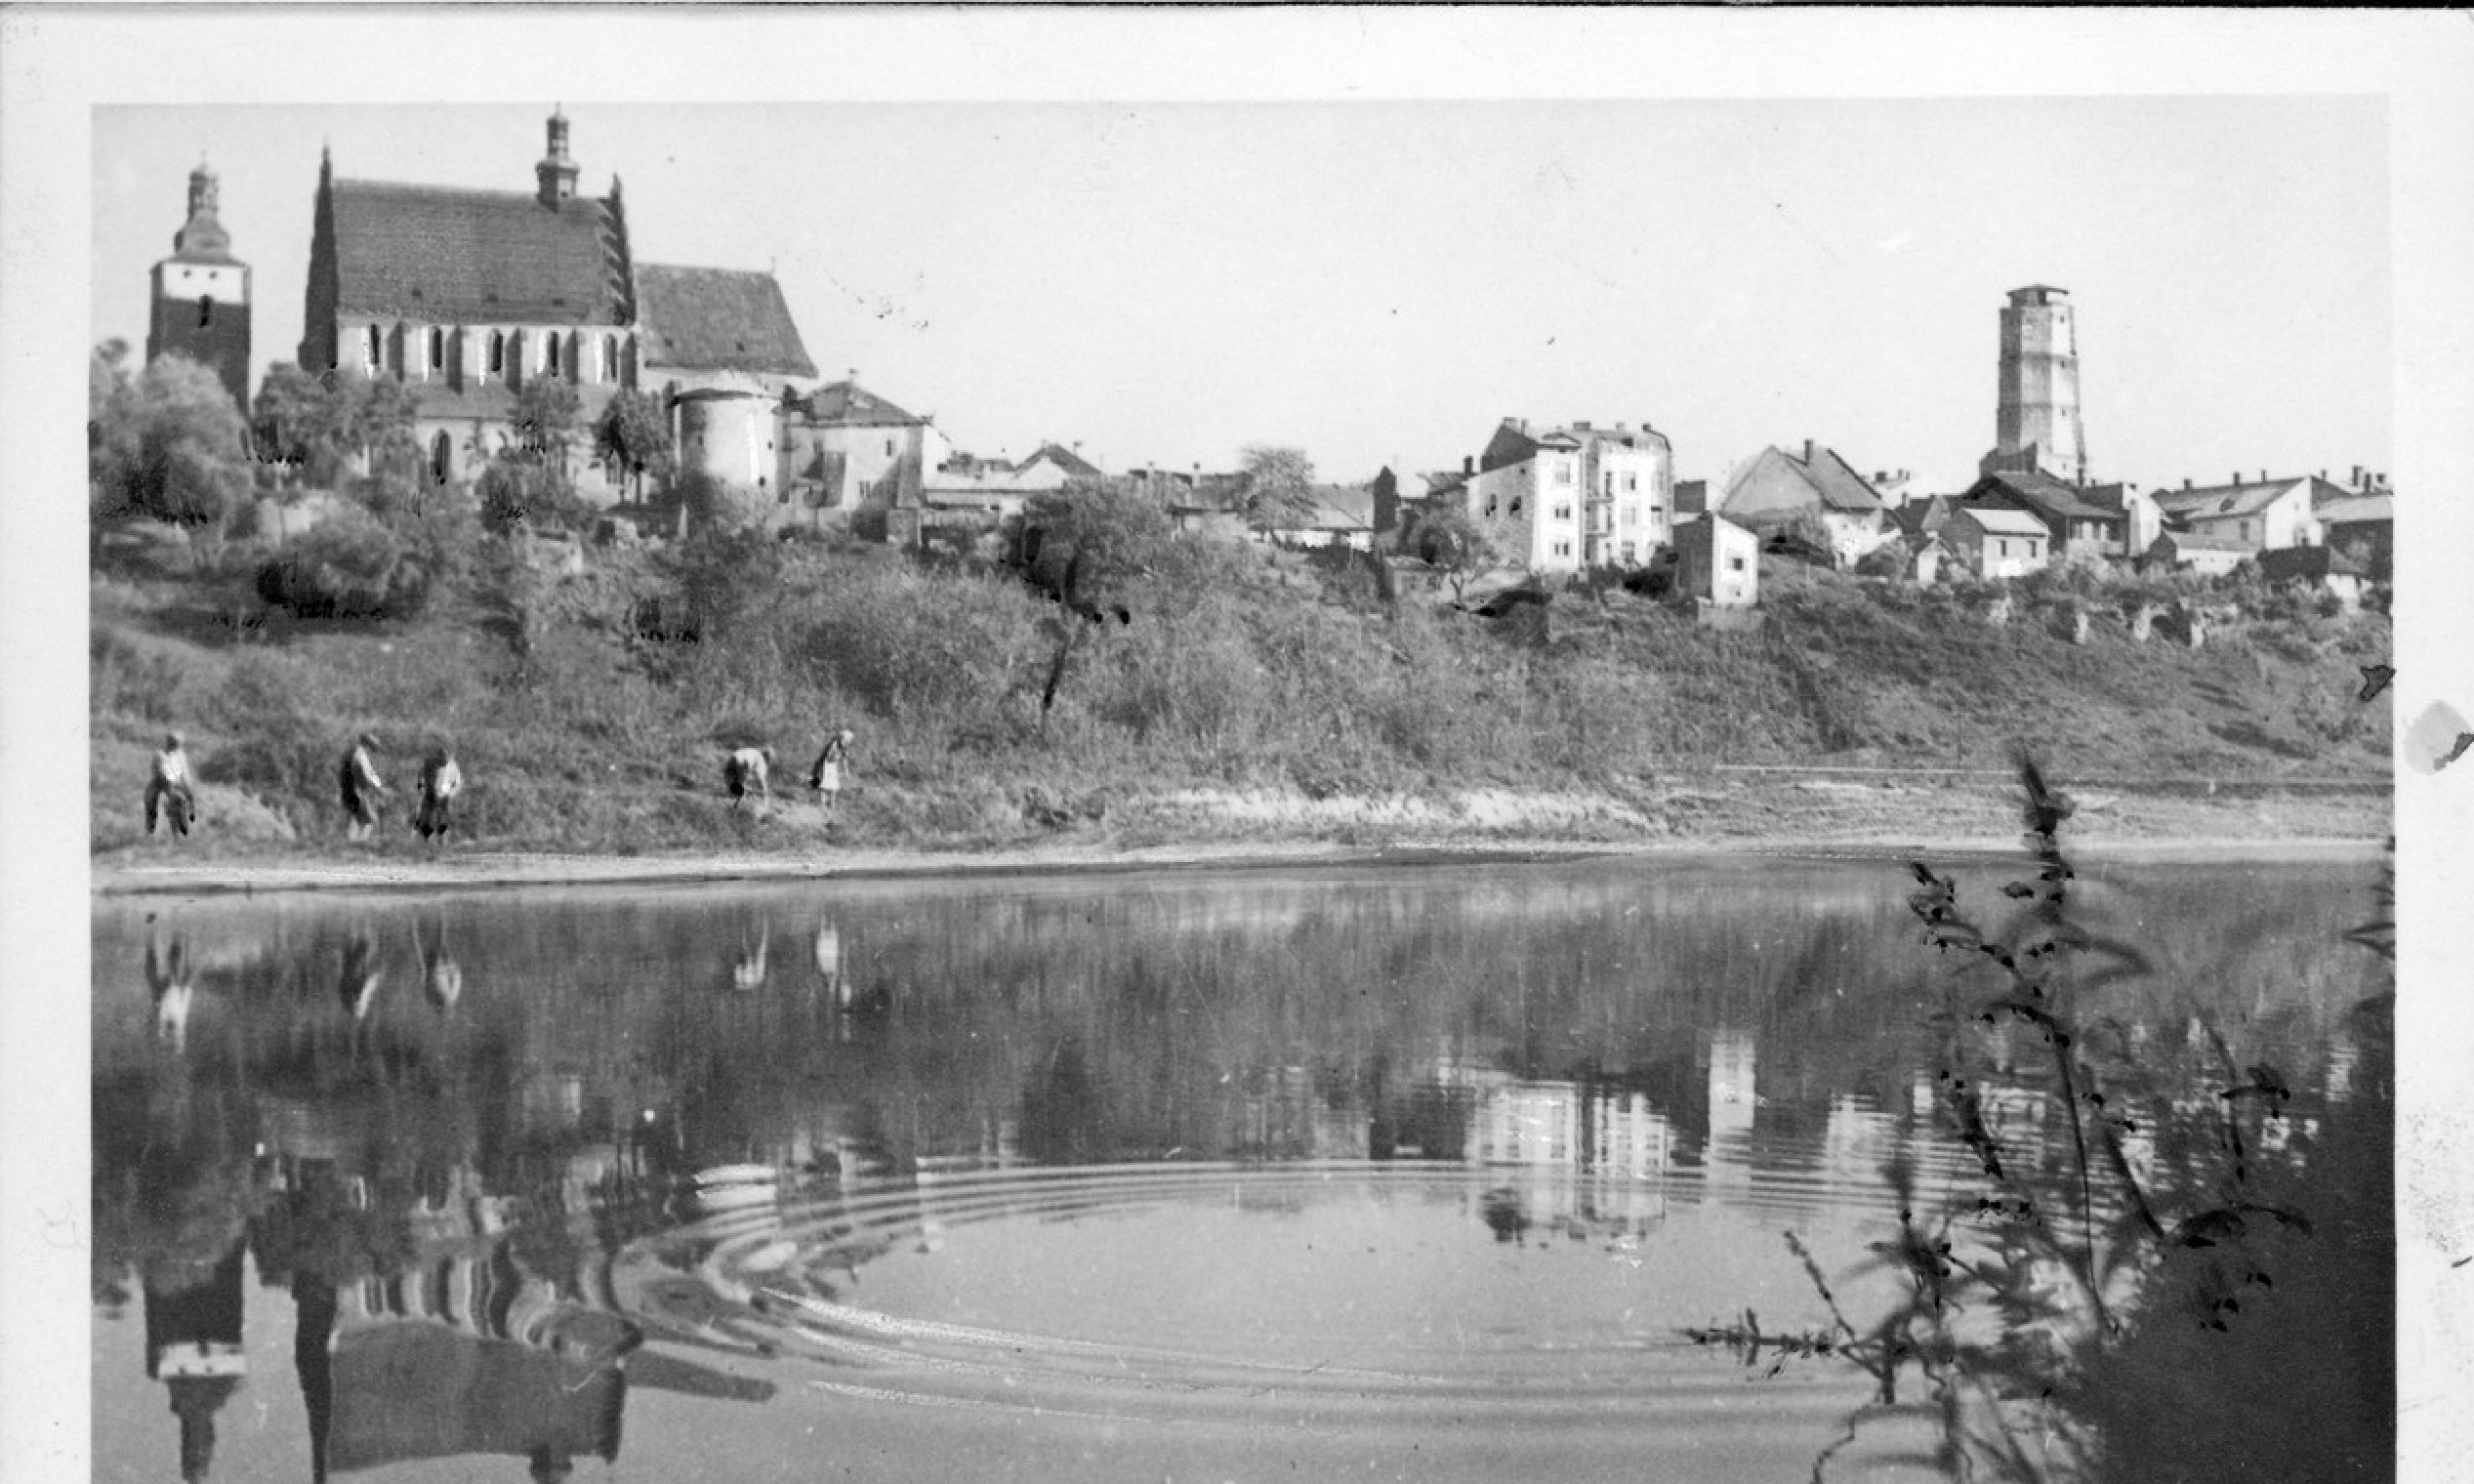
x=1773, y=818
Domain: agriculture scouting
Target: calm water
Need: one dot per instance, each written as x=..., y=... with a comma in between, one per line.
x=1395, y=1173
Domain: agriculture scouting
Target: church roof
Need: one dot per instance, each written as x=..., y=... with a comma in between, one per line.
x=717, y=318
x=440, y=254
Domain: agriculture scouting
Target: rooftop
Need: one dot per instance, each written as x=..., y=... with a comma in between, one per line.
x=437, y=253
x=717, y=319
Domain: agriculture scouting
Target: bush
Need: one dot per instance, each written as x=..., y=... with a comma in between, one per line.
x=350, y=568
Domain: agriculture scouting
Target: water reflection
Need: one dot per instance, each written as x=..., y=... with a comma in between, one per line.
x=614, y=1145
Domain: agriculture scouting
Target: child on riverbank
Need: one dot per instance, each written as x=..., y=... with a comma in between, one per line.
x=826, y=776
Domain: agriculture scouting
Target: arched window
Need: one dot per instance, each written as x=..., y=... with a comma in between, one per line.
x=443, y=458
x=205, y=311
x=376, y=348
x=437, y=348
x=610, y=358
x=498, y=353
x=549, y=354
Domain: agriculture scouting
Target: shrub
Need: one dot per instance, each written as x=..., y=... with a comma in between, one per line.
x=352, y=566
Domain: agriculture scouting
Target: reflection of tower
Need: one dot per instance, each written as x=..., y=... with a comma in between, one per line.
x=202, y=296
x=173, y=982
x=193, y=1347
x=1856, y=1140
x=1731, y=1102
x=2036, y=427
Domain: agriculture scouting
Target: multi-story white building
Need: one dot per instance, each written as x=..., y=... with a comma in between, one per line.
x=1565, y=499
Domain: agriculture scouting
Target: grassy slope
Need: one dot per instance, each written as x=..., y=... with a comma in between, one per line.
x=1273, y=678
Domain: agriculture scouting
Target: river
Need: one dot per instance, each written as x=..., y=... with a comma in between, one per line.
x=1397, y=1172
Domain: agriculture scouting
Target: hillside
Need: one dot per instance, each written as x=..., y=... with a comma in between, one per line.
x=1253, y=696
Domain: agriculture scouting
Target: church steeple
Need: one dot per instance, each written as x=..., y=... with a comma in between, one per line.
x=201, y=294
x=202, y=238
x=556, y=172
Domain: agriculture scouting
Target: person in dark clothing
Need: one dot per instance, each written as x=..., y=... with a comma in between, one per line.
x=361, y=787
x=745, y=773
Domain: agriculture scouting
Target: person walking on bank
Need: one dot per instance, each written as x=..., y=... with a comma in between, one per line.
x=170, y=785
x=361, y=787
x=745, y=773
x=440, y=781
x=826, y=776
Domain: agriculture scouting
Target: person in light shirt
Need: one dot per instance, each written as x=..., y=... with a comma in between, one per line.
x=440, y=781
x=170, y=786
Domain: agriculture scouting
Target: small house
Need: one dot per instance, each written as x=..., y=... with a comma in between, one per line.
x=1997, y=541
x=2078, y=527
x=1777, y=490
x=2363, y=526
x=2209, y=556
x=2323, y=568
x=2265, y=515
x=1717, y=563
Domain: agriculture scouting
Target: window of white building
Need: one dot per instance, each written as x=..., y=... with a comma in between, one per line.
x=549, y=354
x=1563, y=548
x=498, y=354
x=610, y=358
x=437, y=348
x=1563, y=513
x=373, y=350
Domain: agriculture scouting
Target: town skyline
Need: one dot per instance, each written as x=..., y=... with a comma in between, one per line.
x=1135, y=279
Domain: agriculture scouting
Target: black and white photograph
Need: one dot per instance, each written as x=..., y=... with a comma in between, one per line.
x=1237, y=744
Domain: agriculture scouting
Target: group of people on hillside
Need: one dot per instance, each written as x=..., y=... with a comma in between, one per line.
x=171, y=793
x=171, y=790
x=747, y=771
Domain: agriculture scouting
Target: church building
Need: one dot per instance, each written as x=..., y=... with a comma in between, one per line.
x=468, y=296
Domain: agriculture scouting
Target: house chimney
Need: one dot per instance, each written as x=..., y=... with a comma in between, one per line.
x=2238, y=479
x=1469, y=465
x=2186, y=481
x=1808, y=450
x=2264, y=476
x=1581, y=427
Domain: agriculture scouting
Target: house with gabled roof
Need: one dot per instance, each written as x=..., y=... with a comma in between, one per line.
x=2324, y=568
x=2209, y=556
x=859, y=460
x=2363, y=526
x=1992, y=540
x=2078, y=527
x=1564, y=497
x=2265, y=514
x=1335, y=516
x=1775, y=490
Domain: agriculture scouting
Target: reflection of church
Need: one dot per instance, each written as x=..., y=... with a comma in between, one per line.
x=193, y=1347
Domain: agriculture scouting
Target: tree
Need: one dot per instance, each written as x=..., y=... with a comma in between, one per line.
x=1443, y=536
x=634, y=434
x=323, y=426
x=169, y=446
x=1279, y=485
x=528, y=478
x=1118, y=533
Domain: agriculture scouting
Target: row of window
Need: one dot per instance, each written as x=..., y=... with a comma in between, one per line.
x=554, y=360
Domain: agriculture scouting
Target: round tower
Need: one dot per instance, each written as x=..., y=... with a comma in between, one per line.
x=202, y=294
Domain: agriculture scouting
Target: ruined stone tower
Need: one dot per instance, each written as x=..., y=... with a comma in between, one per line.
x=2036, y=428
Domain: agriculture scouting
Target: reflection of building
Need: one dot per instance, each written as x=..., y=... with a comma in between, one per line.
x=1590, y=1157
x=193, y=1347
x=1858, y=1139
x=1728, y=1154
x=1285, y=1115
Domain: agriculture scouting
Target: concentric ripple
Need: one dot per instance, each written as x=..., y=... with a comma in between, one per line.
x=1343, y=1294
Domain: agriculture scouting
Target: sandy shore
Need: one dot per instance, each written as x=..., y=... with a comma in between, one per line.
x=463, y=871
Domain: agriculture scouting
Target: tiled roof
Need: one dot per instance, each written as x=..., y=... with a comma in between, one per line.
x=1074, y=464
x=2306, y=562
x=717, y=318
x=2210, y=501
x=1841, y=487
x=2186, y=541
x=435, y=253
x=846, y=403
x=2001, y=520
x=2051, y=497
x=2358, y=508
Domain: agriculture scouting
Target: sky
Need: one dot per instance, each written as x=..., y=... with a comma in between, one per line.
x=1380, y=283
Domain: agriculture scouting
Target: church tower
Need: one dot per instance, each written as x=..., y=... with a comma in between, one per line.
x=202, y=296
x=556, y=172
x=2036, y=425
